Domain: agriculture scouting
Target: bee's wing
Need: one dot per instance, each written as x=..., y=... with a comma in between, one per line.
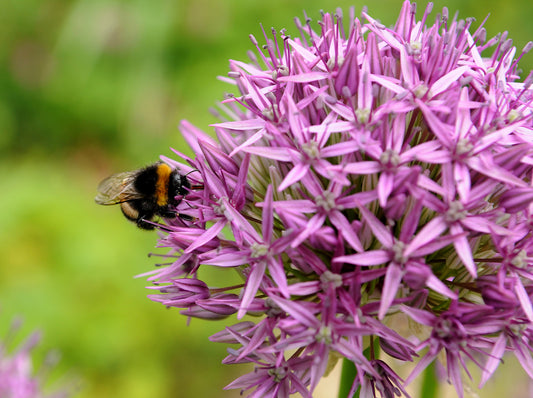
x=117, y=188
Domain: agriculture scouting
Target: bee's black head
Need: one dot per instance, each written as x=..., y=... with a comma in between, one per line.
x=178, y=185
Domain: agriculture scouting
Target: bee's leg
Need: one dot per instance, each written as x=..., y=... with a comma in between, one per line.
x=186, y=217
x=168, y=214
x=144, y=224
x=163, y=227
x=174, y=214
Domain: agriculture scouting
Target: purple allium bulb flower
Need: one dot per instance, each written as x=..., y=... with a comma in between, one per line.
x=18, y=379
x=359, y=172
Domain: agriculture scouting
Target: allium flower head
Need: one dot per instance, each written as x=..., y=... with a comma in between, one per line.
x=359, y=172
x=18, y=378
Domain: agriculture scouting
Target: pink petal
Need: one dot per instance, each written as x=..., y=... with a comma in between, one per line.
x=368, y=258
x=427, y=234
x=385, y=185
x=393, y=277
x=296, y=174
x=381, y=232
x=305, y=77
x=281, y=154
x=207, y=236
x=346, y=229
x=252, y=285
x=523, y=297
x=493, y=359
x=248, y=124
x=463, y=250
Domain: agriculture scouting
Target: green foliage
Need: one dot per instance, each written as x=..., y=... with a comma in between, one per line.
x=121, y=74
x=68, y=268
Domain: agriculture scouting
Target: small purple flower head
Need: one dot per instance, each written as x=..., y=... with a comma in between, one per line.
x=17, y=376
x=359, y=172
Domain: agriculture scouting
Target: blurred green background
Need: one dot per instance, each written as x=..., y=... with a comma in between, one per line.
x=93, y=87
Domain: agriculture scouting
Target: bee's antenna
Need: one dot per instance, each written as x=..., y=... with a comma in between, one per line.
x=195, y=186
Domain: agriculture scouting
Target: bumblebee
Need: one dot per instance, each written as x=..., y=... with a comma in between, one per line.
x=144, y=194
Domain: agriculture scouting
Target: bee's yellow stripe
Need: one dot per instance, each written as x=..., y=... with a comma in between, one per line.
x=161, y=187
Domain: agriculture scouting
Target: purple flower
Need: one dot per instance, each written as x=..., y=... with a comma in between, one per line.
x=361, y=172
x=462, y=332
x=388, y=383
x=17, y=376
x=273, y=376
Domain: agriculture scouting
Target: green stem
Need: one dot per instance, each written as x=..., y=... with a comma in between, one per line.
x=349, y=372
x=430, y=384
x=347, y=377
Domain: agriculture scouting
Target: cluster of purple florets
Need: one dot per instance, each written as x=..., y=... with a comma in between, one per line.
x=18, y=376
x=361, y=175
